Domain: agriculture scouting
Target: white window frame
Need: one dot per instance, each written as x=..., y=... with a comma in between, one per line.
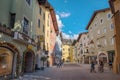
x=23, y=25
x=102, y=20
x=111, y=25
x=112, y=41
x=110, y=16
x=104, y=30
x=105, y=42
x=95, y=24
x=98, y=32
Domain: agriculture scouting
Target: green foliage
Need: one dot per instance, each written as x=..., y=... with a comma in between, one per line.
x=43, y=58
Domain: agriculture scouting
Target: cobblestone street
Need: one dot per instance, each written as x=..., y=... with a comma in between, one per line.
x=70, y=72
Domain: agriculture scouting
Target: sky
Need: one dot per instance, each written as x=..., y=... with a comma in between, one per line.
x=74, y=15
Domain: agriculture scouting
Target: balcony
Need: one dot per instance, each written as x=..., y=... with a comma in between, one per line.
x=21, y=37
x=6, y=30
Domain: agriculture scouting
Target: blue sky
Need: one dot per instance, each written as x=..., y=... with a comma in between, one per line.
x=74, y=15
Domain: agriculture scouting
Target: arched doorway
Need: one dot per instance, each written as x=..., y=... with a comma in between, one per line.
x=9, y=59
x=6, y=58
x=28, y=61
x=102, y=57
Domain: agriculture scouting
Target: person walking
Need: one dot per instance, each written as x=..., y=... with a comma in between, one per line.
x=110, y=64
x=92, y=67
x=101, y=66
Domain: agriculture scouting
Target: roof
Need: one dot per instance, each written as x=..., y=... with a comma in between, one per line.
x=81, y=35
x=74, y=42
x=94, y=14
x=46, y=4
x=53, y=16
x=42, y=1
x=67, y=41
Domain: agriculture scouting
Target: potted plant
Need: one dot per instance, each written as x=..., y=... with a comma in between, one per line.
x=43, y=59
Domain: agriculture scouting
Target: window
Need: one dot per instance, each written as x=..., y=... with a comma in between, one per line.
x=12, y=20
x=39, y=23
x=88, y=36
x=112, y=41
x=51, y=31
x=43, y=16
x=105, y=42
x=40, y=10
x=91, y=36
x=68, y=49
x=47, y=47
x=97, y=43
x=48, y=16
x=87, y=50
x=47, y=33
x=48, y=23
x=43, y=28
x=25, y=26
x=84, y=38
x=28, y=1
x=109, y=16
x=95, y=24
x=98, y=32
x=104, y=30
x=111, y=26
x=101, y=21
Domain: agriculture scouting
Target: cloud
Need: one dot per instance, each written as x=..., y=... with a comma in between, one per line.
x=59, y=21
x=70, y=32
x=64, y=14
x=67, y=36
x=75, y=36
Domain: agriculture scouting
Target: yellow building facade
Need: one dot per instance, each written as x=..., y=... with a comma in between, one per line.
x=67, y=51
x=49, y=29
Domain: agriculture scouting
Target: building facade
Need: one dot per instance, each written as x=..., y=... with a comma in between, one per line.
x=53, y=35
x=74, y=51
x=50, y=28
x=67, y=50
x=83, y=48
x=115, y=8
x=101, y=36
x=58, y=52
x=16, y=32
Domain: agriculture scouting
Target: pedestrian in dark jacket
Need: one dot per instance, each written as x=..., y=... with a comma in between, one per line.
x=92, y=67
x=110, y=64
x=101, y=66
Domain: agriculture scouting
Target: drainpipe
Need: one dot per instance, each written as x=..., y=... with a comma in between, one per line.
x=14, y=66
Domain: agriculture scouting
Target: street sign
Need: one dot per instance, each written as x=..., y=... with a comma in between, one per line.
x=41, y=38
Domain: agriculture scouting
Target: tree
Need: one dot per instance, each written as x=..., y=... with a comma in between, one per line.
x=43, y=59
